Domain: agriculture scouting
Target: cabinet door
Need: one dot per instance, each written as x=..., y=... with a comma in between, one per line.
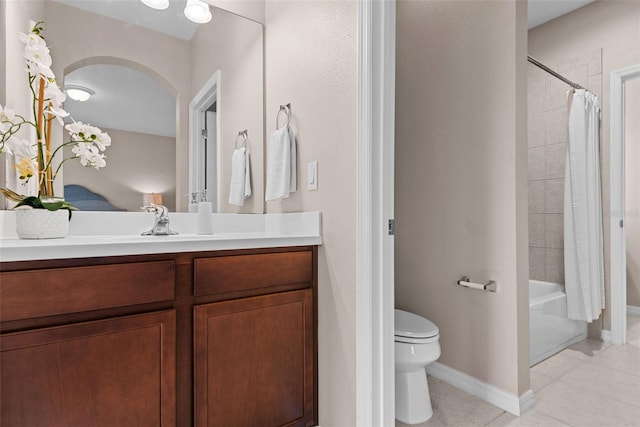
x=115, y=372
x=254, y=361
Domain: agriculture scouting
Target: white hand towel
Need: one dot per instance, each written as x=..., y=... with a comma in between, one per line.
x=294, y=165
x=281, y=164
x=240, y=188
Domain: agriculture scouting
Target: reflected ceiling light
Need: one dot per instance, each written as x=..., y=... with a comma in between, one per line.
x=197, y=11
x=78, y=93
x=156, y=4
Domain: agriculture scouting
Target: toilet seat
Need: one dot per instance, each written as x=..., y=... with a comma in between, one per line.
x=414, y=329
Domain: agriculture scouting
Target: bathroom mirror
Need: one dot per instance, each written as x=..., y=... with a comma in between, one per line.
x=145, y=67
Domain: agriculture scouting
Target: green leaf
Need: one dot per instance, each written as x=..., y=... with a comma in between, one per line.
x=36, y=203
x=32, y=201
x=11, y=195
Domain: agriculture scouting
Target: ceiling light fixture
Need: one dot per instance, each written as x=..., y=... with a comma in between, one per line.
x=78, y=93
x=197, y=11
x=156, y=4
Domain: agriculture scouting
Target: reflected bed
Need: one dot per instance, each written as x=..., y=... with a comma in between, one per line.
x=86, y=200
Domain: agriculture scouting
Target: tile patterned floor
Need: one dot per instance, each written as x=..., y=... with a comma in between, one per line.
x=590, y=384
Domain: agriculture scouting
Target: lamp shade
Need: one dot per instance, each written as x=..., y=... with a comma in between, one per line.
x=149, y=199
x=197, y=11
x=156, y=4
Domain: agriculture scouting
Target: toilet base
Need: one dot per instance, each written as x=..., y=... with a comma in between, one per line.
x=413, y=402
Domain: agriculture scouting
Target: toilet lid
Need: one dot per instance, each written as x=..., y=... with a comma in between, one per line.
x=413, y=326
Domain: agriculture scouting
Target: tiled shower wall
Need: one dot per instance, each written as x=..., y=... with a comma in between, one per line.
x=547, y=138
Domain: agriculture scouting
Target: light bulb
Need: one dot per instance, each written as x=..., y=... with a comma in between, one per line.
x=197, y=11
x=156, y=4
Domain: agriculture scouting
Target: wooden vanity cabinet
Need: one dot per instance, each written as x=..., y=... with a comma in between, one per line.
x=219, y=338
x=255, y=357
x=84, y=345
x=254, y=361
x=113, y=372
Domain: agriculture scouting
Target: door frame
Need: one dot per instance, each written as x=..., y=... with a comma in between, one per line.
x=375, y=364
x=618, y=241
x=205, y=97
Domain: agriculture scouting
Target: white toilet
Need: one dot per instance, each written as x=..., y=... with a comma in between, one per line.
x=416, y=345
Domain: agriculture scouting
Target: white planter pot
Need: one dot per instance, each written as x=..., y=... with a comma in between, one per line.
x=42, y=223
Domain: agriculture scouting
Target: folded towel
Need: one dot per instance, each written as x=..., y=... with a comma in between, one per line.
x=240, y=188
x=281, y=164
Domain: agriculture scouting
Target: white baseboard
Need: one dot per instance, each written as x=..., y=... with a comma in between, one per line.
x=633, y=310
x=605, y=336
x=487, y=392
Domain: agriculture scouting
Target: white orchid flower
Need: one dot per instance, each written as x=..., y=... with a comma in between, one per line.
x=74, y=127
x=78, y=128
x=98, y=161
x=32, y=40
x=58, y=113
x=21, y=148
x=85, y=132
x=6, y=114
x=44, y=71
x=53, y=93
x=39, y=56
x=103, y=140
x=86, y=142
x=89, y=155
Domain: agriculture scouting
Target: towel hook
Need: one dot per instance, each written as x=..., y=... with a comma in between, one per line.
x=245, y=135
x=287, y=111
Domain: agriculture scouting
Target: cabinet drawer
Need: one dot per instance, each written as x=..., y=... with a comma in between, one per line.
x=217, y=275
x=47, y=292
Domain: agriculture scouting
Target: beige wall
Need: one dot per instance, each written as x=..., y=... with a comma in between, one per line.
x=613, y=26
x=548, y=128
x=311, y=62
x=632, y=190
x=461, y=181
x=241, y=95
x=129, y=161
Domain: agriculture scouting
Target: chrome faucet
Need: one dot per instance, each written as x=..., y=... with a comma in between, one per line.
x=161, y=225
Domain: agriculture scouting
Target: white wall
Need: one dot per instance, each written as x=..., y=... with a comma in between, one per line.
x=461, y=181
x=632, y=189
x=613, y=26
x=311, y=62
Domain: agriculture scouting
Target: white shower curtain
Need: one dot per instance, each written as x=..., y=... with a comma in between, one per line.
x=583, y=236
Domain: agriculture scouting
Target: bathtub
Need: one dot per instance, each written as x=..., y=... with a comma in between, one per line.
x=549, y=329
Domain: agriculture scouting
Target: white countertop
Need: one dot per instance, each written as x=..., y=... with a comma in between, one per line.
x=120, y=235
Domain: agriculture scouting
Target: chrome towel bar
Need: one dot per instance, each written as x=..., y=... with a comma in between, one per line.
x=492, y=286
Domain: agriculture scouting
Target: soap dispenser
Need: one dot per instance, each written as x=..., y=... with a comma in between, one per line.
x=205, y=220
x=193, y=202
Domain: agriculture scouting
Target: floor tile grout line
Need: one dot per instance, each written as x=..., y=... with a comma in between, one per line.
x=623, y=371
x=598, y=394
x=488, y=423
x=556, y=419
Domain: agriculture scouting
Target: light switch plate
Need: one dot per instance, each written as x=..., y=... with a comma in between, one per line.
x=312, y=176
